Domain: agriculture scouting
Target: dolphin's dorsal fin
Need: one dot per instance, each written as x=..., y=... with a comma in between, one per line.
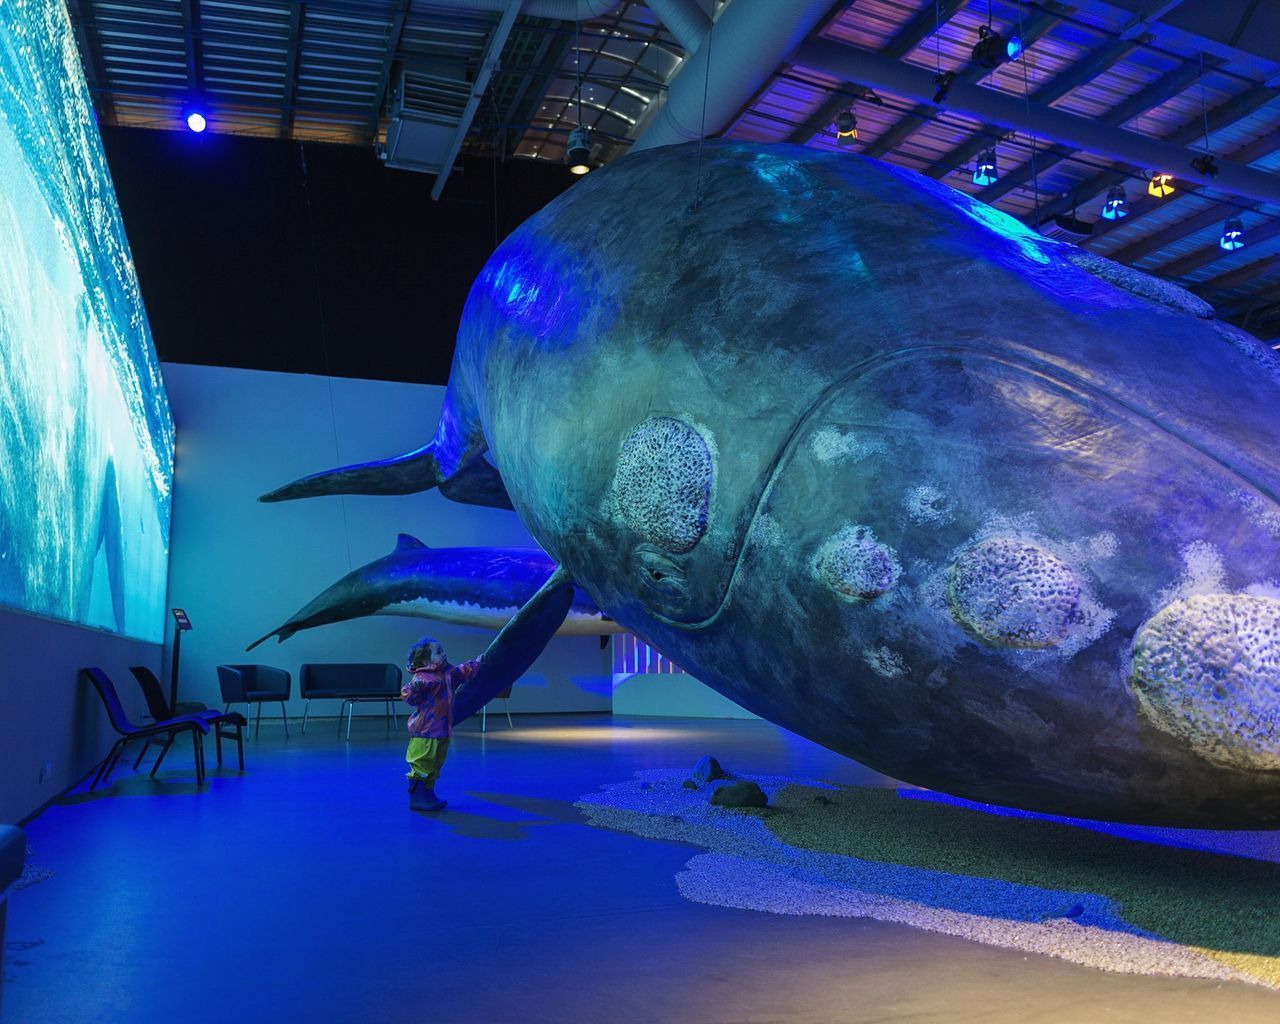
x=407, y=542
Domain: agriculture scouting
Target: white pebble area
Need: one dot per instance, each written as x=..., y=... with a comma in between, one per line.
x=750, y=867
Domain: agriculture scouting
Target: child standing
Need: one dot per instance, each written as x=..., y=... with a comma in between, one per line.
x=430, y=692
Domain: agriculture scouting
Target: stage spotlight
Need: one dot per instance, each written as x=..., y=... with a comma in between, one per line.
x=846, y=127
x=1205, y=164
x=1161, y=185
x=985, y=171
x=942, y=82
x=578, y=153
x=1232, y=234
x=992, y=49
x=1117, y=205
x=196, y=120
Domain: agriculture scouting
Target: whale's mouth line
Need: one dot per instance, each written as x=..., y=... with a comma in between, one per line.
x=1018, y=359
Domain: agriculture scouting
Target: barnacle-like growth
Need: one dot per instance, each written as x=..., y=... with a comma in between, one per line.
x=856, y=565
x=663, y=483
x=1207, y=670
x=1012, y=593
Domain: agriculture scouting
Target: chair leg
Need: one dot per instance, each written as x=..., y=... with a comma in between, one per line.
x=484, y=713
x=284, y=713
x=142, y=753
x=394, y=724
x=240, y=744
x=217, y=742
x=108, y=763
x=351, y=713
x=506, y=707
x=306, y=710
x=258, y=727
x=197, y=748
x=164, y=750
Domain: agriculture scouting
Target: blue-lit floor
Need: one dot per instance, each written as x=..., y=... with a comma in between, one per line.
x=305, y=891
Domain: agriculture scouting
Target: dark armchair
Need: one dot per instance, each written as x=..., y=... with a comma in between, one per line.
x=255, y=684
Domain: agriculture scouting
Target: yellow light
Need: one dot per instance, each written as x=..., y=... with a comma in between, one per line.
x=1161, y=185
x=852, y=133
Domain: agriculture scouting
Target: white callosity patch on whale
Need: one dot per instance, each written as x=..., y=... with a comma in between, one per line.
x=1206, y=669
x=885, y=662
x=1166, y=293
x=856, y=565
x=766, y=531
x=1202, y=573
x=1259, y=511
x=1012, y=593
x=831, y=445
x=662, y=485
x=929, y=505
x=470, y=613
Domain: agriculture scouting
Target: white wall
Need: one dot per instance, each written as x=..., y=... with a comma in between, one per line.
x=672, y=695
x=241, y=568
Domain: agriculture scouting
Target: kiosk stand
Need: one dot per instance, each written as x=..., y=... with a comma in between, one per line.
x=180, y=625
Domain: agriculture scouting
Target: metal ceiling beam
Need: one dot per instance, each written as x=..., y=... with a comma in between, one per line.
x=1250, y=303
x=1158, y=92
x=927, y=21
x=289, y=97
x=1235, y=278
x=191, y=38
x=922, y=114
x=1175, y=162
x=488, y=64
x=394, y=31
x=95, y=72
x=1194, y=261
x=1206, y=28
x=1014, y=114
x=1083, y=71
x=1145, y=204
x=1134, y=251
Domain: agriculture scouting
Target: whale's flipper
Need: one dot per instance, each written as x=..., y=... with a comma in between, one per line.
x=517, y=647
x=453, y=461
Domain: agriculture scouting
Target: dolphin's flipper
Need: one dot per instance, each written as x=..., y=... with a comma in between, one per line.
x=515, y=648
x=452, y=461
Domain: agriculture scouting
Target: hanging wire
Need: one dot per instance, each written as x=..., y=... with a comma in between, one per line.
x=1204, y=105
x=324, y=339
x=937, y=35
x=702, y=129
x=1026, y=97
x=577, y=63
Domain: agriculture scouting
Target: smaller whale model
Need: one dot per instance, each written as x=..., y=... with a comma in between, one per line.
x=984, y=511
x=481, y=587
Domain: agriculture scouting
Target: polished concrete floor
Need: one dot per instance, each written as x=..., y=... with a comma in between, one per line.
x=303, y=890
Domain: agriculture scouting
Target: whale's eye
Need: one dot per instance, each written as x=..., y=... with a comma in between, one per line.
x=663, y=483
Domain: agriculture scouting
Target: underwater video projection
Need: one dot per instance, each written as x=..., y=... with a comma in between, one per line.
x=87, y=467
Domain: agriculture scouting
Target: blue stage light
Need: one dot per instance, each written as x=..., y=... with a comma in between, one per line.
x=1013, y=48
x=1117, y=205
x=1232, y=235
x=196, y=121
x=984, y=171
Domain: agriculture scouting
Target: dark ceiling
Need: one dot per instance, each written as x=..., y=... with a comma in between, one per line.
x=1181, y=77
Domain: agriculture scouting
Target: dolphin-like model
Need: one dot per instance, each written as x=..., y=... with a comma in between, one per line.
x=481, y=587
x=986, y=512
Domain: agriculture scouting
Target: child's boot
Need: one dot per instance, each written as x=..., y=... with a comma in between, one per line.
x=422, y=797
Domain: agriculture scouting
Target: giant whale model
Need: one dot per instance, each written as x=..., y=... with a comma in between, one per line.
x=976, y=508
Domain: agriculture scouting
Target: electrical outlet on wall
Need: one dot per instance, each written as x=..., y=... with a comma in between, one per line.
x=46, y=770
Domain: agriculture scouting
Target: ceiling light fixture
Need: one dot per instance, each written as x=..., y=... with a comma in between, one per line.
x=1232, y=235
x=1117, y=205
x=1206, y=165
x=846, y=127
x=578, y=152
x=992, y=49
x=985, y=171
x=1161, y=185
x=195, y=119
x=942, y=82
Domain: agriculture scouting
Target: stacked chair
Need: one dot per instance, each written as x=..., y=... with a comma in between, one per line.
x=255, y=684
x=228, y=725
x=168, y=728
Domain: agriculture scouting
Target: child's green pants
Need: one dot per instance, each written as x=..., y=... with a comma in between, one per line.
x=426, y=756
